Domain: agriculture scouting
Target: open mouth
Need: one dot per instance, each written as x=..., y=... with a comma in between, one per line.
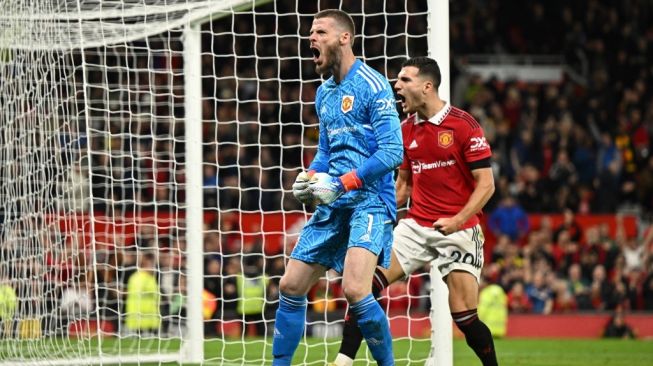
x=316, y=53
x=401, y=100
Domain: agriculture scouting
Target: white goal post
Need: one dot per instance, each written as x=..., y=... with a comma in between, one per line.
x=441, y=329
x=146, y=148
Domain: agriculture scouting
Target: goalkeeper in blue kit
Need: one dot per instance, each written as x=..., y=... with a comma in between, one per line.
x=351, y=180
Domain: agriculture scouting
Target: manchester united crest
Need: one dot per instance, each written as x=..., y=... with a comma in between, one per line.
x=347, y=103
x=445, y=138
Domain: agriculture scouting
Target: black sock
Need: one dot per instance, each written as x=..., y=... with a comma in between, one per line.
x=379, y=282
x=477, y=335
x=351, y=334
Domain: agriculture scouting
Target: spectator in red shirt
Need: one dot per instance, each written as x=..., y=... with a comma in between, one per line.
x=518, y=301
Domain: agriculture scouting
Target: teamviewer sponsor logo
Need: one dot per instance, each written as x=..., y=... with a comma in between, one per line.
x=418, y=167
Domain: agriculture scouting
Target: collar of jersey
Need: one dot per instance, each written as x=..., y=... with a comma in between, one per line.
x=349, y=75
x=438, y=117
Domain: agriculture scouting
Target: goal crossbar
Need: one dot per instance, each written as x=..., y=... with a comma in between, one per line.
x=96, y=27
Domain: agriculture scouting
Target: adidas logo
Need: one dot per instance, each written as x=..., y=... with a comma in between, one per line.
x=365, y=237
x=374, y=341
x=413, y=145
x=277, y=334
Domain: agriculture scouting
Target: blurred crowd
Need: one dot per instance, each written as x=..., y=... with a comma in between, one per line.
x=562, y=147
x=566, y=147
x=258, y=89
x=570, y=267
x=582, y=143
x=575, y=146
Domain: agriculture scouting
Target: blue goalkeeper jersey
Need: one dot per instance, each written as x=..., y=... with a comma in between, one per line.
x=360, y=129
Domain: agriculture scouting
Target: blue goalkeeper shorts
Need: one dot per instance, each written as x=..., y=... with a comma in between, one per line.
x=331, y=231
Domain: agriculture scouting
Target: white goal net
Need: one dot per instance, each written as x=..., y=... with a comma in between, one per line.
x=147, y=148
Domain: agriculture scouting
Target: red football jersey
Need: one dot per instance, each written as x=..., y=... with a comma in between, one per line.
x=438, y=152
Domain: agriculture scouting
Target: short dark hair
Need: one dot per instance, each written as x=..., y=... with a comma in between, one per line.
x=343, y=19
x=425, y=66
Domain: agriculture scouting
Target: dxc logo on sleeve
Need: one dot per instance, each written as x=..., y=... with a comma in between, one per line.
x=478, y=143
x=385, y=103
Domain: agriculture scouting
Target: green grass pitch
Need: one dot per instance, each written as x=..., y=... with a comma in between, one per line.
x=526, y=352
x=256, y=351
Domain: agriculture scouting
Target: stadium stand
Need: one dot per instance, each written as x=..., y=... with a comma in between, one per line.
x=564, y=152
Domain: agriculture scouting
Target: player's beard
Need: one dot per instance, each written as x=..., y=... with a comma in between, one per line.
x=332, y=56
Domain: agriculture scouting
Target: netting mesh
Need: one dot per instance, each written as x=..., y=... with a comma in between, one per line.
x=66, y=24
x=93, y=164
x=260, y=131
x=40, y=170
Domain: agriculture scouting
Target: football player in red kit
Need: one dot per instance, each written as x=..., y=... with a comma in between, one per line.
x=446, y=173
